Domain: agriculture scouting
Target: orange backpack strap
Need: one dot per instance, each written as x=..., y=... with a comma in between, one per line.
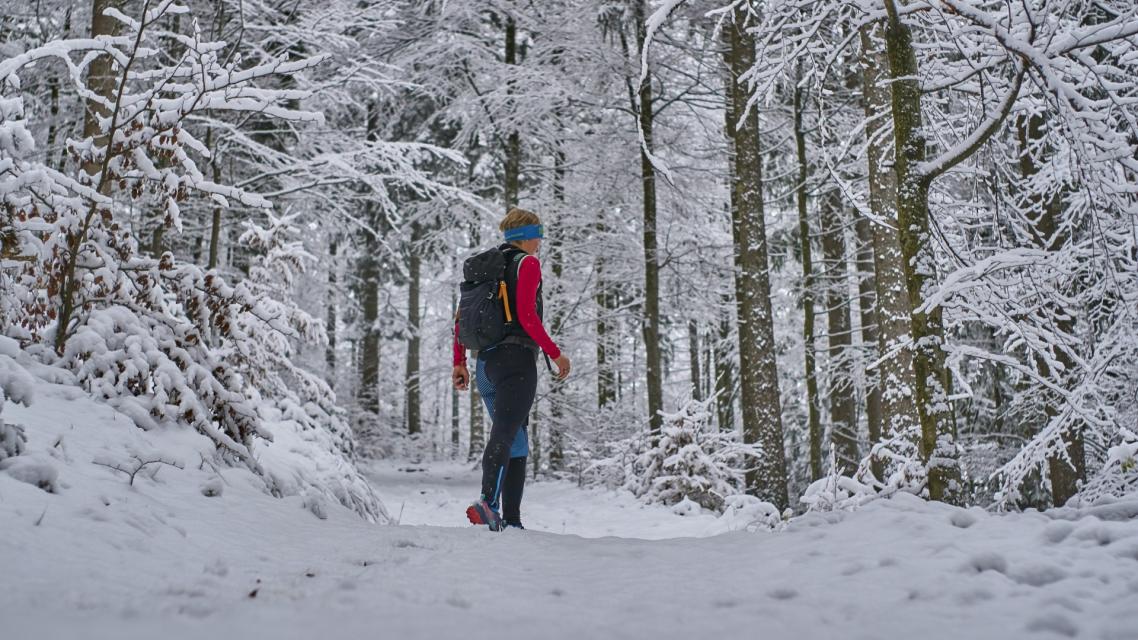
x=505, y=299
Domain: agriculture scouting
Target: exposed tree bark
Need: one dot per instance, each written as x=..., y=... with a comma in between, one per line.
x=103, y=79
x=368, y=282
x=867, y=310
x=330, y=315
x=915, y=175
x=693, y=358
x=651, y=314
x=814, y=422
x=477, y=430
x=412, y=406
x=556, y=395
x=455, y=412
x=513, y=140
x=761, y=405
x=215, y=218
x=843, y=407
x=724, y=354
x=937, y=442
x=605, y=301
x=895, y=367
x=725, y=371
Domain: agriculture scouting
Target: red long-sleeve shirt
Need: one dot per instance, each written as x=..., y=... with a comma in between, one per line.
x=529, y=277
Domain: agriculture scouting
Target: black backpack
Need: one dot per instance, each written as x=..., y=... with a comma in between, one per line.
x=483, y=307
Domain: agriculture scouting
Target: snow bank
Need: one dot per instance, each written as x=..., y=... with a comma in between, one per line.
x=56, y=438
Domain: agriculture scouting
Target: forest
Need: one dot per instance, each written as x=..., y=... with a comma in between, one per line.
x=844, y=249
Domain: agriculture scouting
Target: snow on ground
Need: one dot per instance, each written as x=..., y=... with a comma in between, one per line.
x=103, y=559
x=438, y=494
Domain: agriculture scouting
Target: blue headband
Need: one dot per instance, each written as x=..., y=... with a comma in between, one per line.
x=528, y=232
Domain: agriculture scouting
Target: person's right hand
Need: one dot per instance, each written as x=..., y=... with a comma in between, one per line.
x=460, y=377
x=562, y=363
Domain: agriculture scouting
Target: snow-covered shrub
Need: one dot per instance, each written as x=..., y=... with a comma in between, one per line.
x=1119, y=475
x=901, y=471
x=688, y=461
x=747, y=513
x=15, y=385
x=164, y=341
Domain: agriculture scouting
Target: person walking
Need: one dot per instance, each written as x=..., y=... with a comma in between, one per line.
x=510, y=367
x=513, y=484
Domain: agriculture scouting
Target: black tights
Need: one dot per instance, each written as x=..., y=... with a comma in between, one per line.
x=512, y=369
x=512, y=487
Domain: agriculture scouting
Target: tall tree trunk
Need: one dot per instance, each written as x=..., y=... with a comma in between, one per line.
x=761, y=405
x=513, y=140
x=894, y=329
x=604, y=300
x=455, y=412
x=369, y=292
x=937, y=442
x=215, y=219
x=103, y=77
x=814, y=422
x=1065, y=472
x=102, y=80
x=651, y=316
x=693, y=358
x=843, y=408
x=330, y=317
x=867, y=309
x=412, y=406
x=725, y=371
x=477, y=430
x=557, y=392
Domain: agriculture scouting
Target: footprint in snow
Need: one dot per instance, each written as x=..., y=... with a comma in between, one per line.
x=1038, y=575
x=783, y=593
x=1055, y=623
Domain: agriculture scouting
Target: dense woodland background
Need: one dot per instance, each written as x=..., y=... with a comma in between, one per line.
x=787, y=241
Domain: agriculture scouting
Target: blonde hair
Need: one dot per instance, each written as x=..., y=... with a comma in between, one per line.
x=516, y=217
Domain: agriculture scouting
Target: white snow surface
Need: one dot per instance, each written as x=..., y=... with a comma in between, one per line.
x=162, y=560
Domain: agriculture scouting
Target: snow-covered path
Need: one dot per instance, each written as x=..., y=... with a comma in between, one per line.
x=139, y=568
x=438, y=494
x=100, y=558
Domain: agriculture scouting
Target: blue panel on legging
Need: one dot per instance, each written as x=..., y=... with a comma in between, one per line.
x=520, y=447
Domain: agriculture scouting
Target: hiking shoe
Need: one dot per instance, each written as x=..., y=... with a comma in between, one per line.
x=514, y=525
x=482, y=513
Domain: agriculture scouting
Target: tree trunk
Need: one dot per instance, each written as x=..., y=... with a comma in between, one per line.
x=693, y=358
x=894, y=329
x=814, y=422
x=1066, y=473
x=215, y=222
x=455, y=417
x=867, y=304
x=102, y=79
x=725, y=371
x=412, y=406
x=369, y=293
x=476, y=429
x=604, y=299
x=513, y=140
x=651, y=316
x=557, y=392
x=330, y=316
x=762, y=412
x=843, y=408
x=937, y=442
